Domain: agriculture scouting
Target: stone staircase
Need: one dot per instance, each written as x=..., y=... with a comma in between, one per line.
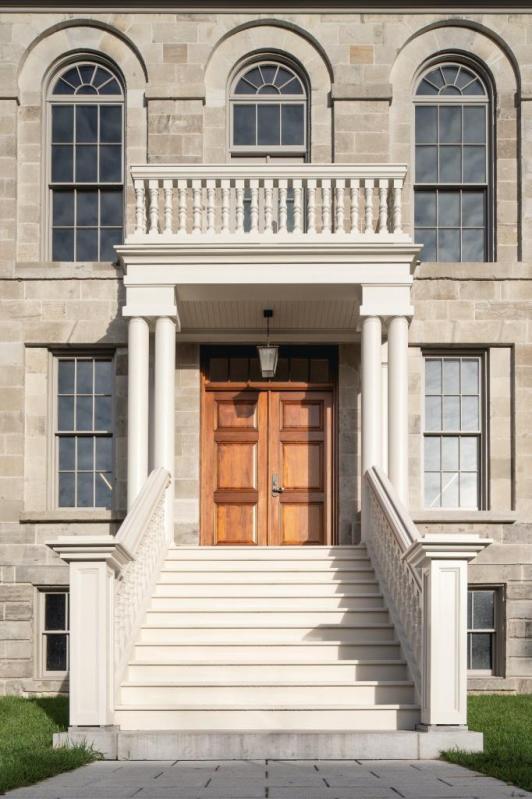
x=264, y=640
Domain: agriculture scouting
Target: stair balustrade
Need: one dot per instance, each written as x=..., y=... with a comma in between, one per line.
x=424, y=582
x=271, y=200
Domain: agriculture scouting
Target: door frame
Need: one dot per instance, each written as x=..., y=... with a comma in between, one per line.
x=328, y=351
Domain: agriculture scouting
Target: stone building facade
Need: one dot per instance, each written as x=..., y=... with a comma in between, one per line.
x=175, y=66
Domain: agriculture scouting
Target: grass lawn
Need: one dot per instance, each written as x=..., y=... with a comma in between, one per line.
x=506, y=722
x=26, y=754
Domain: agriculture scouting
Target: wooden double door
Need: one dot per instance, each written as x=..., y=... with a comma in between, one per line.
x=267, y=467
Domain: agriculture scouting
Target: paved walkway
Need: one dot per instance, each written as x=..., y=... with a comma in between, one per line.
x=271, y=779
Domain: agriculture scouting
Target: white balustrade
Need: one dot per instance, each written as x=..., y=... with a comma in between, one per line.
x=337, y=200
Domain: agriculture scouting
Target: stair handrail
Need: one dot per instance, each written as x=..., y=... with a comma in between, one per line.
x=143, y=535
x=390, y=534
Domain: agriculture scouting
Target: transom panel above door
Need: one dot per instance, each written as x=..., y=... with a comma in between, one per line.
x=267, y=455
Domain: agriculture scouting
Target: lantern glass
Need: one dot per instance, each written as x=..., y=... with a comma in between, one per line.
x=268, y=356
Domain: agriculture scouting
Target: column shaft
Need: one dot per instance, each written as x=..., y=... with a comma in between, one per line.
x=138, y=407
x=164, y=445
x=371, y=392
x=398, y=406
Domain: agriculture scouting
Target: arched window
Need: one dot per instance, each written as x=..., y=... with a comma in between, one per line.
x=86, y=174
x=268, y=110
x=452, y=183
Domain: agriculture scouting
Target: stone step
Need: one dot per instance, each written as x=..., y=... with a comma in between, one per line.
x=173, y=574
x=296, y=694
x=285, y=590
x=332, y=671
x=275, y=565
x=232, y=554
x=265, y=651
x=268, y=603
x=235, y=634
x=240, y=615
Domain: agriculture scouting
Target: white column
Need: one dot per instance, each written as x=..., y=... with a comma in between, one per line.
x=398, y=406
x=138, y=407
x=371, y=392
x=164, y=410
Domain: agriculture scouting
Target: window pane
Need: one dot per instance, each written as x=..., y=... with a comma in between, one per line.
x=426, y=164
x=111, y=208
x=449, y=209
x=87, y=208
x=104, y=454
x=86, y=163
x=111, y=124
x=448, y=245
x=56, y=652
x=425, y=212
x=450, y=73
x=474, y=124
x=432, y=497
x=103, y=413
x=109, y=237
x=433, y=413
x=483, y=610
x=63, y=245
x=65, y=377
x=469, y=490
x=427, y=238
x=432, y=454
x=85, y=489
x=473, y=245
x=110, y=163
x=469, y=454
x=67, y=449
x=62, y=163
x=293, y=131
x=66, y=490
x=451, y=413
x=86, y=123
x=65, y=413
x=481, y=655
x=244, y=125
x=474, y=164
x=85, y=453
x=450, y=124
x=55, y=612
x=62, y=123
x=112, y=87
x=450, y=164
x=103, y=490
x=470, y=413
x=433, y=381
x=451, y=376
x=103, y=377
x=449, y=494
x=450, y=454
x=473, y=209
x=470, y=375
x=426, y=124
x=268, y=124
x=87, y=244
x=63, y=208
x=84, y=413
x=85, y=376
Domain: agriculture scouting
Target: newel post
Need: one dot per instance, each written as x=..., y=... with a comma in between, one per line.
x=94, y=562
x=442, y=561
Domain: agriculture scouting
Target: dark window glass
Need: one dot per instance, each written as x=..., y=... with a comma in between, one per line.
x=293, y=124
x=87, y=123
x=268, y=124
x=244, y=125
x=56, y=652
x=55, y=612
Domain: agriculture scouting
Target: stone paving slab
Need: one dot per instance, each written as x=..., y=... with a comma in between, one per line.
x=271, y=779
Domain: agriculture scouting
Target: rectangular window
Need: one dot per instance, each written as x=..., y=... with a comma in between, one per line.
x=84, y=432
x=453, y=439
x=483, y=626
x=54, y=635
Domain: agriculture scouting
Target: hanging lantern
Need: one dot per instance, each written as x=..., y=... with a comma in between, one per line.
x=268, y=353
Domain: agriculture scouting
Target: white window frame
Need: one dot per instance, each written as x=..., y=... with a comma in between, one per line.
x=273, y=99
x=483, y=472
x=42, y=633
x=56, y=434
x=497, y=631
x=488, y=102
x=83, y=99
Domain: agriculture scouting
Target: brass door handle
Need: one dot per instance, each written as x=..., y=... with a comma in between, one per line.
x=276, y=488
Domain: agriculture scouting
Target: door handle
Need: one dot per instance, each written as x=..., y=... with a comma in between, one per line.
x=276, y=488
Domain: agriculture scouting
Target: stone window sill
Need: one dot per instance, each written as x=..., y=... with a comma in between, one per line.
x=72, y=515
x=464, y=516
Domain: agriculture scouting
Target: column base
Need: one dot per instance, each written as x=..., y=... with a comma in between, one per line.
x=437, y=738
x=102, y=739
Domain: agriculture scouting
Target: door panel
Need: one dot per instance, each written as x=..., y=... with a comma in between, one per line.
x=253, y=442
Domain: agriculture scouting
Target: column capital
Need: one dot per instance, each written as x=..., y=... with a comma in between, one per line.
x=385, y=301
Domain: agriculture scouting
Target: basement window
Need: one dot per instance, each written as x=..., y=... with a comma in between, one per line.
x=484, y=621
x=54, y=613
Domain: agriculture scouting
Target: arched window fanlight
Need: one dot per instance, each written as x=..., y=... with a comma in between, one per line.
x=452, y=164
x=268, y=109
x=86, y=172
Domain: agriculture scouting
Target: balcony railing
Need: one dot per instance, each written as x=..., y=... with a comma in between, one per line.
x=277, y=202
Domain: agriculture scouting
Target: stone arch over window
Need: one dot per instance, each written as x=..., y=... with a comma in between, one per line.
x=453, y=162
x=72, y=41
x=85, y=166
x=259, y=44
x=268, y=99
x=474, y=45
